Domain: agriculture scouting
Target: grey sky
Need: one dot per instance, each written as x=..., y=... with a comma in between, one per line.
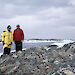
x=39, y=18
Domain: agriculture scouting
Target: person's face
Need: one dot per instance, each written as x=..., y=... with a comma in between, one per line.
x=9, y=29
x=18, y=27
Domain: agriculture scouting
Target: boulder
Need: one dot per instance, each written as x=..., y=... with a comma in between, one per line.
x=68, y=72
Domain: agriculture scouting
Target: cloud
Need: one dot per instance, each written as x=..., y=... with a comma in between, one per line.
x=12, y=8
x=39, y=18
x=72, y=2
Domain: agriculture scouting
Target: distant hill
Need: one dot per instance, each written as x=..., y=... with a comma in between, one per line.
x=47, y=39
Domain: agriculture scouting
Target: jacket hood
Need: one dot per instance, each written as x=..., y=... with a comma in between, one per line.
x=7, y=31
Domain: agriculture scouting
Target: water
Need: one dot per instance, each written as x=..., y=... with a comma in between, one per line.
x=27, y=45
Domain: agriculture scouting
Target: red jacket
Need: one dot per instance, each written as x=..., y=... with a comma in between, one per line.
x=18, y=35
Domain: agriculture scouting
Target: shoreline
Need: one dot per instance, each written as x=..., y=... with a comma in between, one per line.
x=59, y=44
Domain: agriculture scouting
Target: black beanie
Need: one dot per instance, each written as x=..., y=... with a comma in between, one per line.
x=9, y=26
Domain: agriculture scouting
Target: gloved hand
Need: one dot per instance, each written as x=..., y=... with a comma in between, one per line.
x=3, y=43
x=10, y=44
x=22, y=40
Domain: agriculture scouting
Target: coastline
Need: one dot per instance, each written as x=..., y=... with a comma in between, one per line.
x=59, y=43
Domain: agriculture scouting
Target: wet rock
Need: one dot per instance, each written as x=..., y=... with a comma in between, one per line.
x=67, y=46
x=52, y=46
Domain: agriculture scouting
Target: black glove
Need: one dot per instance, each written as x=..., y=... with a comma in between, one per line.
x=3, y=42
x=10, y=44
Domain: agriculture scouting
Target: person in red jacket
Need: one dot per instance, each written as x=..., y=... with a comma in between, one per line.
x=18, y=38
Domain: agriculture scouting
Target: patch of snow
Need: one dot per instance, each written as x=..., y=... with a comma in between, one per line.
x=1, y=54
x=11, y=51
x=37, y=41
x=0, y=42
x=62, y=43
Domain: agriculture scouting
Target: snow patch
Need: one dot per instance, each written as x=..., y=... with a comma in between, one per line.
x=62, y=43
x=11, y=51
x=37, y=41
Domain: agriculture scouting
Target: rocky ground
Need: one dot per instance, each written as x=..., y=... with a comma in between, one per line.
x=47, y=60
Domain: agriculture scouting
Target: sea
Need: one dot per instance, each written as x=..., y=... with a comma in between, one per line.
x=27, y=45
x=35, y=43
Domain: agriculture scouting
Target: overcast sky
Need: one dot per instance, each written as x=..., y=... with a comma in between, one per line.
x=39, y=18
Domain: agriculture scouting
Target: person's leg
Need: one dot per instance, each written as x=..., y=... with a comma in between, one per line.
x=8, y=51
x=19, y=46
x=5, y=50
x=16, y=46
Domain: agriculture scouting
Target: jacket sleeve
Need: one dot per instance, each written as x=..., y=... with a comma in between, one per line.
x=22, y=35
x=3, y=36
x=11, y=37
x=14, y=35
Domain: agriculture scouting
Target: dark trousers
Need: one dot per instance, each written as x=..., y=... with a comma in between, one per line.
x=6, y=50
x=18, y=46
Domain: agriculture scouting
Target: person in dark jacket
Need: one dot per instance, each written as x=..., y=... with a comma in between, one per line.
x=18, y=38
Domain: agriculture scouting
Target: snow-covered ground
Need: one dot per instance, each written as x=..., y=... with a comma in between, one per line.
x=37, y=41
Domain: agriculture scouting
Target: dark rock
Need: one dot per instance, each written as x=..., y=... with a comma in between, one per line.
x=63, y=73
x=57, y=74
x=1, y=73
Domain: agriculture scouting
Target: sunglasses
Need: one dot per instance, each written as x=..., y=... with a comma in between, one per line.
x=9, y=28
